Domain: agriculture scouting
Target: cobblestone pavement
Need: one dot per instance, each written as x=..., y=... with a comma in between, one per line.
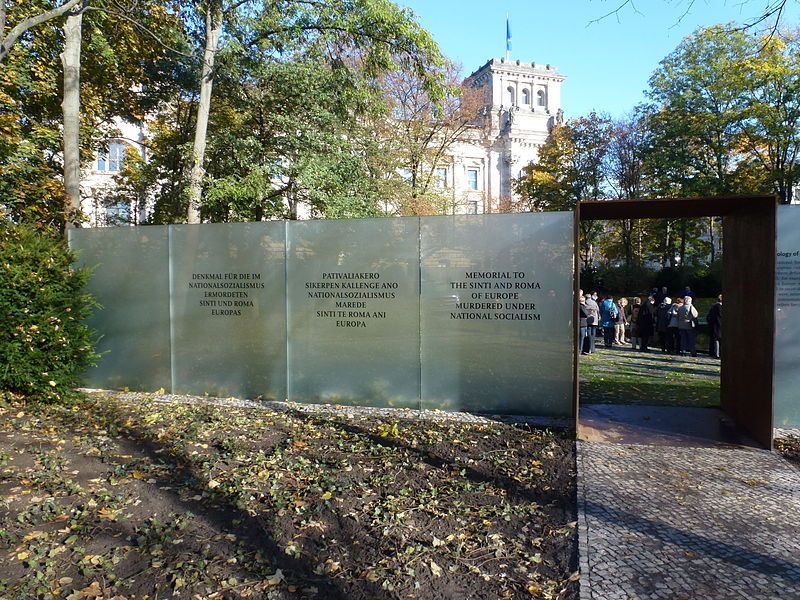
x=687, y=523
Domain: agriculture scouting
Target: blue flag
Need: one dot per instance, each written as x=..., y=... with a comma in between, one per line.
x=508, y=35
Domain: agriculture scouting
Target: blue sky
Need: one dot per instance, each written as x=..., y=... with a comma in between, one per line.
x=607, y=63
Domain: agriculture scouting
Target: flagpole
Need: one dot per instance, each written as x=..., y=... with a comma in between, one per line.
x=508, y=39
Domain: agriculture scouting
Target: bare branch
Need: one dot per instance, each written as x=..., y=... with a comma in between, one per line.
x=615, y=12
x=689, y=6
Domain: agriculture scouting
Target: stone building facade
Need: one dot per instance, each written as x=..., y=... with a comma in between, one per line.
x=521, y=102
x=99, y=179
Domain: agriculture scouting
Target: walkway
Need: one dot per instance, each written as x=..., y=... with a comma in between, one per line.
x=683, y=522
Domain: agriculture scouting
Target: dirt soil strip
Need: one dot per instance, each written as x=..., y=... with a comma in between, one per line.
x=133, y=498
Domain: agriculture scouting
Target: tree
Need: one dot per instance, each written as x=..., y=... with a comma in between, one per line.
x=624, y=167
x=420, y=132
x=213, y=12
x=771, y=119
x=7, y=40
x=106, y=71
x=373, y=35
x=570, y=169
x=697, y=108
x=770, y=16
x=284, y=133
x=70, y=109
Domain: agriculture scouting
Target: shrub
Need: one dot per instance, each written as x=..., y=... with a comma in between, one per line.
x=45, y=344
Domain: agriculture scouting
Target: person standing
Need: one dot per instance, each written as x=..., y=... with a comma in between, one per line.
x=662, y=322
x=592, y=322
x=619, y=325
x=608, y=317
x=714, y=319
x=634, y=322
x=687, y=327
x=646, y=322
x=583, y=315
x=673, y=339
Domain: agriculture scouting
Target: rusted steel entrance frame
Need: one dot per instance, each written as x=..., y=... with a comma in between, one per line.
x=748, y=265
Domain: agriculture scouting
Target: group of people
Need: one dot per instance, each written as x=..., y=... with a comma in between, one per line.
x=672, y=323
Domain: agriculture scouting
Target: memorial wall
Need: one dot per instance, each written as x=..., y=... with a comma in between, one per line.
x=455, y=313
x=787, y=319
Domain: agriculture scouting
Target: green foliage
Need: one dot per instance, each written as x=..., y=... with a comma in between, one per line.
x=570, y=166
x=570, y=169
x=725, y=115
x=125, y=73
x=640, y=280
x=45, y=344
x=771, y=120
x=698, y=96
x=296, y=88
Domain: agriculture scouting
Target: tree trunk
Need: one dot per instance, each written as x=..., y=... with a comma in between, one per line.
x=71, y=112
x=711, y=237
x=213, y=28
x=627, y=241
x=683, y=242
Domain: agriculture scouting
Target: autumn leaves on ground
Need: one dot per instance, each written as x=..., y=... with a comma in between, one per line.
x=132, y=498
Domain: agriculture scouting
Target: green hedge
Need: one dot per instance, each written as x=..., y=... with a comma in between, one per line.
x=639, y=280
x=45, y=345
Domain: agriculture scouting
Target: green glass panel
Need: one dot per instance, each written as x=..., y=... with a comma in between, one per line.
x=496, y=313
x=131, y=282
x=353, y=309
x=787, y=319
x=229, y=309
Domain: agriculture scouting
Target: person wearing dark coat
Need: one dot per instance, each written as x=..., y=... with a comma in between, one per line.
x=646, y=322
x=714, y=319
x=662, y=322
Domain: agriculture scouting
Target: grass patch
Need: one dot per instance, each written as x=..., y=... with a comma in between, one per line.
x=625, y=376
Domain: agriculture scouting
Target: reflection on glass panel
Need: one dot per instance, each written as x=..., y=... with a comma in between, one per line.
x=472, y=179
x=787, y=318
x=229, y=309
x=496, y=313
x=131, y=282
x=353, y=310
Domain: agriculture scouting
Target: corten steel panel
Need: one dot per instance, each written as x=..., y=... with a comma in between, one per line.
x=749, y=279
x=659, y=208
x=749, y=328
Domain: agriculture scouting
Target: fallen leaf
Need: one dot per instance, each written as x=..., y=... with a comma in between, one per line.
x=276, y=579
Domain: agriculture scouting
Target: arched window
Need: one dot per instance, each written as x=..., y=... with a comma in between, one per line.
x=526, y=97
x=512, y=100
x=541, y=99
